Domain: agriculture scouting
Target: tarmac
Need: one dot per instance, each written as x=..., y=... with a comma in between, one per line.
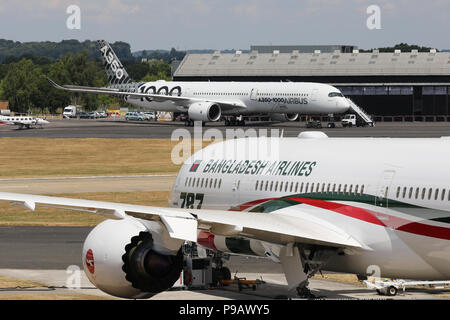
x=116, y=128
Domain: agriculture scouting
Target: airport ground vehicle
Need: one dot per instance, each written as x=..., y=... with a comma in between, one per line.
x=83, y=115
x=134, y=116
x=313, y=123
x=352, y=120
x=72, y=111
x=150, y=115
x=390, y=287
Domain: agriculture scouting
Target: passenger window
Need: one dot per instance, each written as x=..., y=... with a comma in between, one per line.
x=220, y=183
x=215, y=183
x=201, y=184
x=429, y=193
x=281, y=186
x=286, y=185
x=339, y=188
x=398, y=192
x=443, y=195
x=306, y=187
x=436, y=194
x=206, y=183
x=261, y=186
x=323, y=187
x=301, y=189
x=410, y=192
x=312, y=187
x=362, y=189
x=350, y=189
x=424, y=190
x=271, y=185
x=334, y=188
x=317, y=187
x=210, y=183
x=417, y=193
x=404, y=192
x=292, y=186
x=345, y=189
x=256, y=186
x=356, y=189
x=296, y=187
x=267, y=185
x=276, y=186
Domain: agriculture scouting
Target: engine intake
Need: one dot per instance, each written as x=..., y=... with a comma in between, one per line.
x=148, y=270
x=204, y=111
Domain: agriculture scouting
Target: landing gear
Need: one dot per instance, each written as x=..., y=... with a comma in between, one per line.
x=303, y=290
x=235, y=121
x=191, y=123
x=300, y=263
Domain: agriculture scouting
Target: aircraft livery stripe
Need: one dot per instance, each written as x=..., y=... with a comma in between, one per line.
x=380, y=219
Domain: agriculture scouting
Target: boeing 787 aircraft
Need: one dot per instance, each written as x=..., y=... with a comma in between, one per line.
x=310, y=203
x=209, y=101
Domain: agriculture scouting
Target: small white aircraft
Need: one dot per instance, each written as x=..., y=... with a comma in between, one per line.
x=23, y=121
x=208, y=101
x=353, y=205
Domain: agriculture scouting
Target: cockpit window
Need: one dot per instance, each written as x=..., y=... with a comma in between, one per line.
x=335, y=94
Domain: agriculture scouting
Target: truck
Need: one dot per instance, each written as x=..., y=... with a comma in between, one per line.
x=72, y=111
x=351, y=120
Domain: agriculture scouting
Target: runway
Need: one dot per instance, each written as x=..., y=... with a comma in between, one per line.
x=106, y=128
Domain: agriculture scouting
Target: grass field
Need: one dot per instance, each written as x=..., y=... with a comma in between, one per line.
x=19, y=216
x=77, y=157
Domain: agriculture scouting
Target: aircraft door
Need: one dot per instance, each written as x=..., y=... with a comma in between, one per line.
x=314, y=94
x=384, y=186
x=254, y=94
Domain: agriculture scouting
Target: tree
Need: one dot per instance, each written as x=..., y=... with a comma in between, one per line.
x=21, y=86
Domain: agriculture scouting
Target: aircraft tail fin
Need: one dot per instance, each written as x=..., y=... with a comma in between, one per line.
x=114, y=69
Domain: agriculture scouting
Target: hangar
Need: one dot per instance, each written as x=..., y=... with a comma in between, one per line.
x=390, y=86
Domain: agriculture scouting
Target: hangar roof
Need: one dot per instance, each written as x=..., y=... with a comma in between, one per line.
x=315, y=64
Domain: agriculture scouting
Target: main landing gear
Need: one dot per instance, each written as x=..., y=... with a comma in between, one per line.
x=190, y=123
x=300, y=263
x=235, y=121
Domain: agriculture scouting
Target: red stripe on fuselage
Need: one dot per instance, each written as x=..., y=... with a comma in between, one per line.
x=250, y=204
x=378, y=218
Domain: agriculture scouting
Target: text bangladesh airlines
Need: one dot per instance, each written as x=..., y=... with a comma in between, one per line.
x=310, y=204
x=209, y=101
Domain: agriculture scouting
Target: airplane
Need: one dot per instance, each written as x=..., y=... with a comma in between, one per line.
x=310, y=203
x=209, y=101
x=26, y=122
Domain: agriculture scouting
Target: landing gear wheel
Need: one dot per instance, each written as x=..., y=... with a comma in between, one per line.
x=392, y=291
x=220, y=274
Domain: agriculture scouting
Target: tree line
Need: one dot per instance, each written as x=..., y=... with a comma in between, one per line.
x=23, y=81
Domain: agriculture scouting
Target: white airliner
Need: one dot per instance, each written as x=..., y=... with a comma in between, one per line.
x=23, y=121
x=208, y=101
x=353, y=205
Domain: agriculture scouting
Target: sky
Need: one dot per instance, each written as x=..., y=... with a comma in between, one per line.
x=231, y=24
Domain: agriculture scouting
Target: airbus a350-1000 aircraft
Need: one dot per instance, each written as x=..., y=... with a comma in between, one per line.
x=208, y=101
x=23, y=121
x=353, y=205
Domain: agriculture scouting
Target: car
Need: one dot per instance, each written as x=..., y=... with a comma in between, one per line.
x=314, y=124
x=94, y=115
x=134, y=116
x=83, y=115
x=149, y=115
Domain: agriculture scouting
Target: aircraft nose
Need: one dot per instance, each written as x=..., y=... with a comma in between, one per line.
x=343, y=105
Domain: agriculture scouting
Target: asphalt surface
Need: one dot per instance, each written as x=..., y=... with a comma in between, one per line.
x=107, y=128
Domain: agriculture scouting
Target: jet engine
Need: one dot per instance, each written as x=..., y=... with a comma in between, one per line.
x=283, y=117
x=204, y=111
x=132, y=258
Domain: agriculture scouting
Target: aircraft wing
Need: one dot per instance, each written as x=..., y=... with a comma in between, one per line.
x=181, y=101
x=184, y=223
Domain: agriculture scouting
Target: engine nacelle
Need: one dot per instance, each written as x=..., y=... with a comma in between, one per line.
x=283, y=117
x=204, y=111
x=132, y=258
